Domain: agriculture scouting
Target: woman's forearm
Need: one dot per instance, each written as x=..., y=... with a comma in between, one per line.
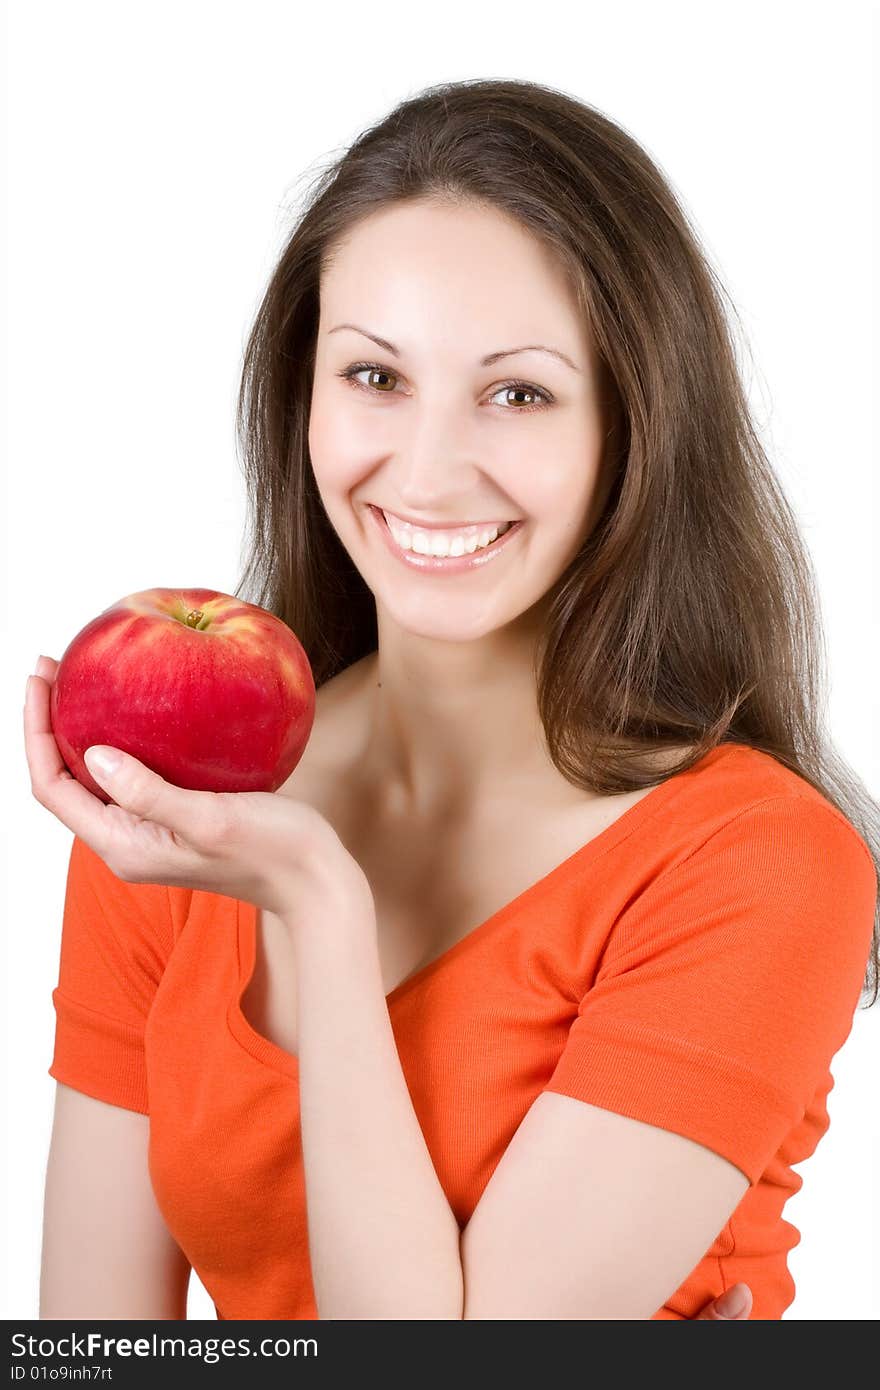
x=383, y=1240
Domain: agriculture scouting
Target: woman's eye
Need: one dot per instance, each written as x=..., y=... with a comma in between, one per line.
x=538, y=397
x=352, y=373
x=522, y=388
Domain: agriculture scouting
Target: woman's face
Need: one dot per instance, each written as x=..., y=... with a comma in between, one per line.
x=428, y=432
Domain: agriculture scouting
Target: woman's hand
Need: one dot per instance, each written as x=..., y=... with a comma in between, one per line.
x=714, y=1311
x=273, y=851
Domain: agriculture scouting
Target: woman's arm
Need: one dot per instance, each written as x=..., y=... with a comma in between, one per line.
x=591, y=1214
x=383, y=1240
x=107, y=1252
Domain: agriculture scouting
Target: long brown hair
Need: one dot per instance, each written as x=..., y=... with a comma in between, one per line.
x=690, y=616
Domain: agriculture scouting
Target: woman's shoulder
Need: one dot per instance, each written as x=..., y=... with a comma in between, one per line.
x=745, y=792
x=751, y=775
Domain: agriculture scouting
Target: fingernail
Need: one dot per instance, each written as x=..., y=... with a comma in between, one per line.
x=101, y=762
x=731, y=1304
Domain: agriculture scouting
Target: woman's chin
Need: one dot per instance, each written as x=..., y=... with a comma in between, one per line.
x=439, y=620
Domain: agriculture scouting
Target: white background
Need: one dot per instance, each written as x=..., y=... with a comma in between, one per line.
x=155, y=156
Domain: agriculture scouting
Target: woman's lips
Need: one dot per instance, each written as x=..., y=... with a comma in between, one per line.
x=443, y=564
x=445, y=525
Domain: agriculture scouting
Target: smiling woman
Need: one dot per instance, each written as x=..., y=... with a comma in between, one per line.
x=441, y=441
x=568, y=730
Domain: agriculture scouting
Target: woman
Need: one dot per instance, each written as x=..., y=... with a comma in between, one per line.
x=519, y=999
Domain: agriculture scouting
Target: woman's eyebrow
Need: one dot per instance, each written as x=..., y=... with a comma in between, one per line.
x=485, y=362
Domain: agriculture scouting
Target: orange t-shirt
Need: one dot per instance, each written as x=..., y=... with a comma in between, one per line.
x=696, y=966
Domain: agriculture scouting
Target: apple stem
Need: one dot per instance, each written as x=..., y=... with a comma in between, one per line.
x=194, y=617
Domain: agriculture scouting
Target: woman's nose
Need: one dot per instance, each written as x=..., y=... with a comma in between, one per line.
x=438, y=460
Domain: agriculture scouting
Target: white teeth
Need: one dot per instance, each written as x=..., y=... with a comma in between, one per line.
x=463, y=541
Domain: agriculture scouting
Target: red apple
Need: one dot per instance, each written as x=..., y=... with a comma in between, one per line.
x=213, y=693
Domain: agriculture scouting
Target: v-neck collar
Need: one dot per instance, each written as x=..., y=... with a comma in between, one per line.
x=626, y=823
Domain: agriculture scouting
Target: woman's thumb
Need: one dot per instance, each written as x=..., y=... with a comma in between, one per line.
x=733, y=1306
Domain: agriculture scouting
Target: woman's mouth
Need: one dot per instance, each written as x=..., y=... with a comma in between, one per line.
x=449, y=551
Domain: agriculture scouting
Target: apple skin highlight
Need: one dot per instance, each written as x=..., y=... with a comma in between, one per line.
x=210, y=692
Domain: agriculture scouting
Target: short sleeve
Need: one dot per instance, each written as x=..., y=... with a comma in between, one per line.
x=116, y=938
x=728, y=985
